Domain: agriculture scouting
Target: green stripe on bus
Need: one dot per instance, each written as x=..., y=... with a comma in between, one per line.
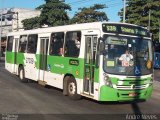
x=10, y=57
x=20, y=58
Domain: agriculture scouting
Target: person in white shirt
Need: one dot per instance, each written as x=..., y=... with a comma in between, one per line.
x=126, y=58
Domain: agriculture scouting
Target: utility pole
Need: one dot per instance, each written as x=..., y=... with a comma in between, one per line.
x=124, y=11
x=149, y=20
x=17, y=22
x=159, y=30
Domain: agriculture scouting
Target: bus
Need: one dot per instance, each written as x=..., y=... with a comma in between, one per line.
x=83, y=60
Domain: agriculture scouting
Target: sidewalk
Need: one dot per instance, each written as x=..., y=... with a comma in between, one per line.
x=2, y=59
x=157, y=75
x=156, y=89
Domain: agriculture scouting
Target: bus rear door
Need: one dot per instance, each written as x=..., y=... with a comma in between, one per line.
x=43, y=58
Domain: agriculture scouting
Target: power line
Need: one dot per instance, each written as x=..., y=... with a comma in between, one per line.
x=79, y=1
x=108, y=6
x=86, y=1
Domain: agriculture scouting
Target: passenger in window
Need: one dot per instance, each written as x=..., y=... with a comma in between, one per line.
x=51, y=45
x=56, y=46
x=60, y=51
x=78, y=42
x=30, y=47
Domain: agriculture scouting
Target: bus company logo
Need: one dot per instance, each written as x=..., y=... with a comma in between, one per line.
x=73, y=62
x=59, y=65
x=133, y=86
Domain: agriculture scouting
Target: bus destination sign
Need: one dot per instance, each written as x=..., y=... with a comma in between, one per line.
x=125, y=29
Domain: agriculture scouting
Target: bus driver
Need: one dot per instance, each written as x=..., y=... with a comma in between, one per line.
x=126, y=59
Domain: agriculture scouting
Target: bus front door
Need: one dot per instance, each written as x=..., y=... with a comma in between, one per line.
x=89, y=69
x=43, y=57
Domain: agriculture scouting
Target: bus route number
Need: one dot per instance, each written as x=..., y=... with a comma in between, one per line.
x=111, y=28
x=30, y=60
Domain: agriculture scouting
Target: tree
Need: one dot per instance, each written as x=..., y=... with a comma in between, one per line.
x=53, y=13
x=91, y=14
x=137, y=12
x=31, y=23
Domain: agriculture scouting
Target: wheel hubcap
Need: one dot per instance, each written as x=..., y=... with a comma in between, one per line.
x=72, y=88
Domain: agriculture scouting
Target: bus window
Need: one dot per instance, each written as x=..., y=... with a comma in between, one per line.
x=32, y=43
x=23, y=43
x=72, y=46
x=10, y=43
x=56, y=44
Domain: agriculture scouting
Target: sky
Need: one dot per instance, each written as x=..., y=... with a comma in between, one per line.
x=113, y=6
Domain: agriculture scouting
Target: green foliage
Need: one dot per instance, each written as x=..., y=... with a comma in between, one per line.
x=90, y=14
x=31, y=23
x=137, y=12
x=53, y=13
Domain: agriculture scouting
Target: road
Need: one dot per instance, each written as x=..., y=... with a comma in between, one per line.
x=32, y=99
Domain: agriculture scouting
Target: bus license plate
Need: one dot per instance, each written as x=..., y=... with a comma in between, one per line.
x=132, y=94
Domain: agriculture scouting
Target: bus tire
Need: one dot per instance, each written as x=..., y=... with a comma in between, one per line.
x=72, y=89
x=22, y=74
x=65, y=85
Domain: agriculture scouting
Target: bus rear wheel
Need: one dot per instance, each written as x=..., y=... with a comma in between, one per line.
x=72, y=89
x=22, y=74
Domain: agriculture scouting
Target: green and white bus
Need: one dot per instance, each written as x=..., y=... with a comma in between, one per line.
x=83, y=60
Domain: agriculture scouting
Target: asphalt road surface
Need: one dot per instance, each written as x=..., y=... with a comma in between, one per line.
x=30, y=100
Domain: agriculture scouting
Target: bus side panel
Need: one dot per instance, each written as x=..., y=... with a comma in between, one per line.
x=9, y=64
x=57, y=67
x=30, y=66
x=39, y=66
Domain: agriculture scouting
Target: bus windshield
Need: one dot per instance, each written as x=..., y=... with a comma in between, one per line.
x=127, y=56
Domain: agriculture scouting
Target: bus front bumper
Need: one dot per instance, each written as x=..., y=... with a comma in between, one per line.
x=111, y=94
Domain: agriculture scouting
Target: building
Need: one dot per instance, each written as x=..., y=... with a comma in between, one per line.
x=11, y=20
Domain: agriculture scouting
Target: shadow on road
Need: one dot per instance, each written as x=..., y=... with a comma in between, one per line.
x=137, y=111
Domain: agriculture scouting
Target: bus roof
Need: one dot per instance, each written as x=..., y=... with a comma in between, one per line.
x=82, y=26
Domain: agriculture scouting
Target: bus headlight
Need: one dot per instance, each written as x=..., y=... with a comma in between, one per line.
x=107, y=81
x=151, y=81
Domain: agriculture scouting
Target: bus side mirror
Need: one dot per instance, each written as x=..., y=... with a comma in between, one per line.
x=101, y=48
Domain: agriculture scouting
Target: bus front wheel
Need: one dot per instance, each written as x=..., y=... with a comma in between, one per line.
x=22, y=74
x=72, y=89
